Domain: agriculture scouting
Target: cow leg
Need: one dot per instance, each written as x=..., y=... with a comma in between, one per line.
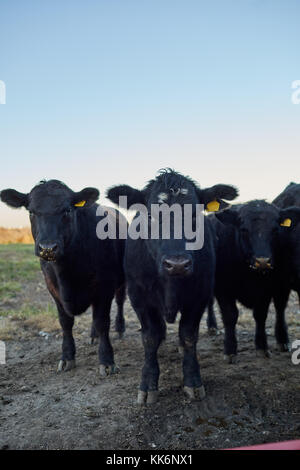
x=153, y=330
x=101, y=322
x=94, y=335
x=211, y=319
x=67, y=361
x=153, y=333
x=120, y=295
x=188, y=337
x=260, y=315
x=281, y=330
x=230, y=315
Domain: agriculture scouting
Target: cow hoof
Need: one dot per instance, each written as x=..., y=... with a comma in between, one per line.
x=64, y=366
x=142, y=397
x=263, y=353
x=283, y=347
x=197, y=393
x=212, y=331
x=120, y=330
x=152, y=397
x=230, y=358
x=105, y=371
x=147, y=397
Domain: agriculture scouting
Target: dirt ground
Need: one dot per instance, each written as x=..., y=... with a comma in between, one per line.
x=254, y=401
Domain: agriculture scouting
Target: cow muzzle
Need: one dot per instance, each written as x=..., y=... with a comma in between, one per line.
x=48, y=251
x=262, y=264
x=177, y=266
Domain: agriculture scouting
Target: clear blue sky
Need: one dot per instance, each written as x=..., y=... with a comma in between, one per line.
x=101, y=92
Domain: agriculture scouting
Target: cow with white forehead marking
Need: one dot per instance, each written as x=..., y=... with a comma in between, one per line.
x=164, y=277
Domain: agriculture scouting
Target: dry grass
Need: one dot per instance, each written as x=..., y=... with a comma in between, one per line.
x=15, y=235
x=43, y=321
x=7, y=329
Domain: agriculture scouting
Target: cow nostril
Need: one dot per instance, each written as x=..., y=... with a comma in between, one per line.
x=187, y=264
x=177, y=265
x=167, y=264
x=263, y=263
x=263, y=260
x=48, y=248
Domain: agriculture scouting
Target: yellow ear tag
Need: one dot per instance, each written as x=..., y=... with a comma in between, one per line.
x=80, y=204
x=213, y=206
x=286, y=223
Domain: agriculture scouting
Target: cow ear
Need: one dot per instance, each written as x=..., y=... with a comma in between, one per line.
x=134, y=196
x=289, y=217
x=212, y=198
x=13, y=198
x=229, y=217
x=85, y=198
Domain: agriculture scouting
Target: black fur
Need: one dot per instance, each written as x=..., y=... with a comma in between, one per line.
x=290, y=239
x=82, y=270
x=158, y=297
x=248, y=234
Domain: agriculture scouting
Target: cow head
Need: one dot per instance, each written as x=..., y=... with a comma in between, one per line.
x=53, y=209
x=290, y=245
x=258, y=224
x=169, y=188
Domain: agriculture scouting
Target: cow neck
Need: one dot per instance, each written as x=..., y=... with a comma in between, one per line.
x=171, y=300
x=73, y=258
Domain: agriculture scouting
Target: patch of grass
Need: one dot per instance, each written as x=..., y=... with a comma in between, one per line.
x=7, y=332
x=28, y=311
x=17, y=264
x=7, y=290
x=14, y=323
x=20, y=268
x=46, y=321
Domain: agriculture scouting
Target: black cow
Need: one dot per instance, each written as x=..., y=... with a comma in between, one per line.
x=164, y=278
x=249, y=269
x=290, y=239
x=79, y=269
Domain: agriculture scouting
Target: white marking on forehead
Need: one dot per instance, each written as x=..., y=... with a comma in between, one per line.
x=162, y=197
x=175, y=191
x=178, y=191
